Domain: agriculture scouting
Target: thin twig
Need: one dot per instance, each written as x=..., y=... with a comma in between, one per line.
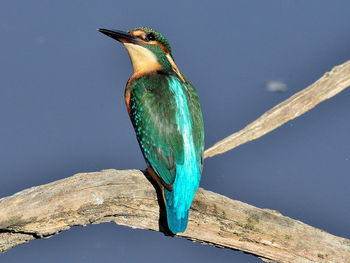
x=330, y=84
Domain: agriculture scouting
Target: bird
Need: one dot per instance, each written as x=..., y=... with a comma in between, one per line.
x=166, y=115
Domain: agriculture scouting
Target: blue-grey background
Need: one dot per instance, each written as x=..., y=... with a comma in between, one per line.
x=62, y=111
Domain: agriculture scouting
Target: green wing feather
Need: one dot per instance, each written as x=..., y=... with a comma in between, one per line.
x=152, y=111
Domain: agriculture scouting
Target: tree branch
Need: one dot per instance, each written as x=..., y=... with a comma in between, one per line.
x=330, y=84
x=127, y=198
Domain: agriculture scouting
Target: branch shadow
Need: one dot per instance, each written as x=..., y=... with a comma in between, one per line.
x=162, y=222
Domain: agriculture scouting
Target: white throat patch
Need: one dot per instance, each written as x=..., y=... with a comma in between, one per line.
x=142, y=59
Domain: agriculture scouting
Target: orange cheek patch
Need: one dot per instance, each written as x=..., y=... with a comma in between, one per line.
x=165, y=50
x=138, y=33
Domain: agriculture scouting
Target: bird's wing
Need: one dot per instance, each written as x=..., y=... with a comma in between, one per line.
x=196, y=120
x=153, y=114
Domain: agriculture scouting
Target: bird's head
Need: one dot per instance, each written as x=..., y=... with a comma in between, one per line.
x=148, y=49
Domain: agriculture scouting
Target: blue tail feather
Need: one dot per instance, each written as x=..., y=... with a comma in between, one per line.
x=176, y=224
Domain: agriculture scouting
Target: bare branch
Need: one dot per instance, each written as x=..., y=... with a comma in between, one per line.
x=127, y=198
x=330, y=84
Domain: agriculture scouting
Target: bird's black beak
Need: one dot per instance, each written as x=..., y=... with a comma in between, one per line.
x=121, y=36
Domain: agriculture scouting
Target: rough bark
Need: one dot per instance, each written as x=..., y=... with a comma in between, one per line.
x=127, y=198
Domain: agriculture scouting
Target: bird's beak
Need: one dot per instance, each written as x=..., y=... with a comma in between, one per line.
x=121, y=36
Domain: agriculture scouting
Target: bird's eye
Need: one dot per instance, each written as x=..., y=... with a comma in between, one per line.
x=150, y=37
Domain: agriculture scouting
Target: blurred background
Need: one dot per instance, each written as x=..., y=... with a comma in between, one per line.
x=62, y=111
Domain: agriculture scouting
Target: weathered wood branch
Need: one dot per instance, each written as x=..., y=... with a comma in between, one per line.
x=330, y=84
x=127, y=198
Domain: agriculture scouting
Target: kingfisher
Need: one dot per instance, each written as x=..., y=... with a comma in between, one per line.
x=165, y=112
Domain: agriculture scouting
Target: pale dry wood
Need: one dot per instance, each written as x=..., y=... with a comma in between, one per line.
x=127, y=198
x=330, y=84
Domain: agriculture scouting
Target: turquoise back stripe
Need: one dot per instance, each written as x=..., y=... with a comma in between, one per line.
x=188, y=173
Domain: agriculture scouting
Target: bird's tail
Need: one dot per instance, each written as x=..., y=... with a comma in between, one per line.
x=176, y=224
